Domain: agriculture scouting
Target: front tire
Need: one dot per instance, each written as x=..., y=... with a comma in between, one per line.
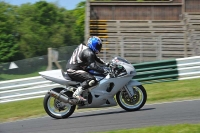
x=136, y=102
x=56, y=108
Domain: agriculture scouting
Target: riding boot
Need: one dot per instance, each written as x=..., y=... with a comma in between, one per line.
x=77, y=94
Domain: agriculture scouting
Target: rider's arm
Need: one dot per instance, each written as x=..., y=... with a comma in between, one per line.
x=99, y=60
x=89, y=57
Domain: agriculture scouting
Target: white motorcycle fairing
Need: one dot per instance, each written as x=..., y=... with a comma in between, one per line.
x=58, y=76
x=101, y=96
x=130, y=94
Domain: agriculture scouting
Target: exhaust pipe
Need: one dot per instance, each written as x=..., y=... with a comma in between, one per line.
x=59, y=96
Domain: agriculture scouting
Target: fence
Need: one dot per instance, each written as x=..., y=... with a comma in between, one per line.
x=138, y=49
x=30, y=67
x=170, y=27
x=149, y=72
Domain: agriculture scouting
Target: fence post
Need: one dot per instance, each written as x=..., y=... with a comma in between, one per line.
x=141, y=50
x=160, y=48
x=49, y=59
x=53, y=58
x=116, y=46
x=104, y=52
x=87, y=20
x=122, y=47
x=198, y=52
x=193, y=44
x=185, y=36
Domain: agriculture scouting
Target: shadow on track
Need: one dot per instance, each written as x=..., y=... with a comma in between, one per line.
x=108, y=113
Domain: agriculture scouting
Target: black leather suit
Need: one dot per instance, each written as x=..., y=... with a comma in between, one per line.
x=82, y=58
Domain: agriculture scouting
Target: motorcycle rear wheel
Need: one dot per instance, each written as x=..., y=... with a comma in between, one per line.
x=56, y=108
x=136, y=102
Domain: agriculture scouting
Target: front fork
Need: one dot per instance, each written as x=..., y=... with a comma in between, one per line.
x=129, y=87
x=129, y=91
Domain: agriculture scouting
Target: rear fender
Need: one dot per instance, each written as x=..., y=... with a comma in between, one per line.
x=58, y=89
x=58, y=76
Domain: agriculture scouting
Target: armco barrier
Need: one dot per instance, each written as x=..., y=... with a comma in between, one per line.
x=169, y=70
x=149, y=72
x=22, y=89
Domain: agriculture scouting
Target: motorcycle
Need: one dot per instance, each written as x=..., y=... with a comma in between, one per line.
x=117, y=86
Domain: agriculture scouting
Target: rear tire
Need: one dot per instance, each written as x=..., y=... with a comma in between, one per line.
x=56, y=108
x=135, y=103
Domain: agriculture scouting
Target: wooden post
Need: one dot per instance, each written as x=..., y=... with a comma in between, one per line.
x=197, y=51
x=87, y=20
x=49, y=59
x=141, y=50
x=116, y=46
x=52, y=59
x=185, y=28
x=104, y=52
x=185, y=36
x=160, y=48
x=122, y=47
x=183, y=7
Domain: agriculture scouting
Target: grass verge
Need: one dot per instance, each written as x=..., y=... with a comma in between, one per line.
x=179, y=128
x=4, y=77
x=158, y=92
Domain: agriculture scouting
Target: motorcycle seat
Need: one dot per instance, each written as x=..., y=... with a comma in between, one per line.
x=65, y=75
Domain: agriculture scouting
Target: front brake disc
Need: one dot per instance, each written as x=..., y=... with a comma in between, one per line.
x=131, y=101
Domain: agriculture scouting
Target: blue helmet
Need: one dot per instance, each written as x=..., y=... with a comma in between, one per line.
x=95, y=44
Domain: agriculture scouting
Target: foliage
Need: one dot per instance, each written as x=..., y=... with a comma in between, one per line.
x=79, y=13
x=9, y=48
x=129, y=0
x=43, y=25
x=28, y=30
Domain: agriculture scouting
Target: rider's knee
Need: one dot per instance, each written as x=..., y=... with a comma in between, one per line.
x=89, y=83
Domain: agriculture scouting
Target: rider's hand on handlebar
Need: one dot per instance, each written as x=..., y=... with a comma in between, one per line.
x=106, y=70
x=107, y=64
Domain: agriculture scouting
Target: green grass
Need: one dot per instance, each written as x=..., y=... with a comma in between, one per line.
x=21, y=109
x=158, y=92
x=179, y=128
x=4, y=77
x=171, y=91
x=13, y=76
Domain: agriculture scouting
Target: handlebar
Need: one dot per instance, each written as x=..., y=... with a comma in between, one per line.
x=116, y=70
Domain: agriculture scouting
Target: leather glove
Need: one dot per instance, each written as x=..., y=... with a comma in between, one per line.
x=107, y=64
x=106, y=70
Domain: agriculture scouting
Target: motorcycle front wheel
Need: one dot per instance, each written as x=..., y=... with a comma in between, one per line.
x=133, y=103
x=56, y=108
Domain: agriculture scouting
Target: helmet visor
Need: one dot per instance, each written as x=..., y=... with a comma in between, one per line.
x=99, y=47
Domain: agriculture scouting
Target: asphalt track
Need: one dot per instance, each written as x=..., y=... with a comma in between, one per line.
x=110, y=119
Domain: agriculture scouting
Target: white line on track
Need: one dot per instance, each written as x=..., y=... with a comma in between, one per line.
x=101, y=110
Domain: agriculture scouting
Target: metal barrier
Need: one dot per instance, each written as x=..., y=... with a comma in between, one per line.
x=169, y=70
x=149, y=72
x=23, y=89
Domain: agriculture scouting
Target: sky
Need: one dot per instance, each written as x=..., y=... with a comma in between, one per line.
x=68, y=4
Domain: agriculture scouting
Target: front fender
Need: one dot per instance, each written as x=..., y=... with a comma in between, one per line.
x=129, y=87
x=133, y=82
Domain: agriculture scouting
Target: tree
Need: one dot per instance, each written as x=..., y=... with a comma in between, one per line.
x=9, y=48
x=30, y=29
x=41, y=26
x=79, y=13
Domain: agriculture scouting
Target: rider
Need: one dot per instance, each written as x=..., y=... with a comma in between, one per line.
x=84, y=56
